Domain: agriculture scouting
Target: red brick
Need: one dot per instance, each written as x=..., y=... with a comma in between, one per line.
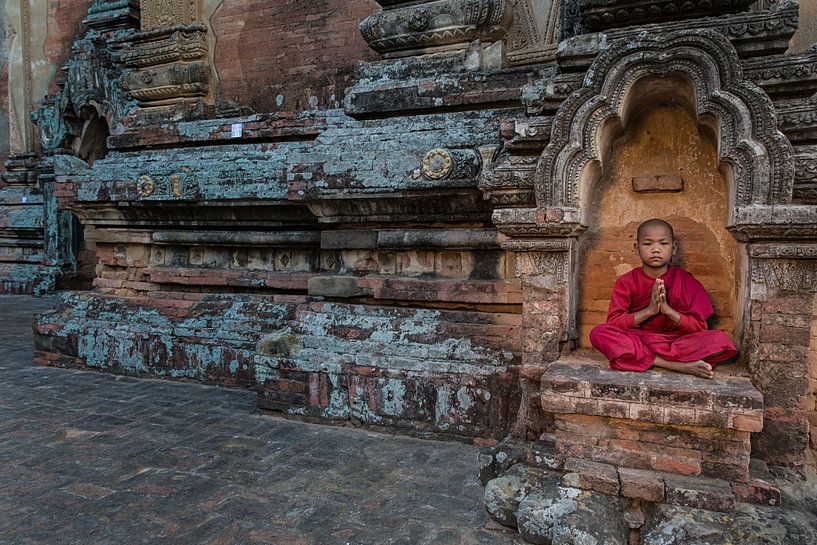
x=758, y=491
x=641, y=484
x=698, y=492
x=591, y=476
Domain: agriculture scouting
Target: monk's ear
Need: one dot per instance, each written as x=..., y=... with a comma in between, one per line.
x=674, y=247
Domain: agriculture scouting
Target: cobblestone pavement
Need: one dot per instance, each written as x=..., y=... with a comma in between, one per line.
x=92, y=458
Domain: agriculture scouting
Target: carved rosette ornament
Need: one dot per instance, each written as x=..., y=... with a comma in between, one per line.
x=455, y=164
x=409, y=27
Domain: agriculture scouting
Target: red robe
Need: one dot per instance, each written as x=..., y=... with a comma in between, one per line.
x=631, y=347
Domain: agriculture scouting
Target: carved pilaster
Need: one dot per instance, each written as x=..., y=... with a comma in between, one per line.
x=410, y=27
x=168, y=67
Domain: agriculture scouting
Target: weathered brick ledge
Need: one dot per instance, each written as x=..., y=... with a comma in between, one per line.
x=656, y=436
x=585, y=387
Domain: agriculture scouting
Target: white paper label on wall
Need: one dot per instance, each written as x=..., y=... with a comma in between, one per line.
x=238, y=129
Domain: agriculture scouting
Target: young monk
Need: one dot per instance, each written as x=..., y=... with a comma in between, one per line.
x=657, y=314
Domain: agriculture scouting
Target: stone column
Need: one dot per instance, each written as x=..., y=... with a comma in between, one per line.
x=782, y=344
x=548, y=319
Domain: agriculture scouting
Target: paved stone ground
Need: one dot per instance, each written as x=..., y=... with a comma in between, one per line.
x=90, y=458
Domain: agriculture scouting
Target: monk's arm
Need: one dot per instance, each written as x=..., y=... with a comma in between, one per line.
x=685, y=322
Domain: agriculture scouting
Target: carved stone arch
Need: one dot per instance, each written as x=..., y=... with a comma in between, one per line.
x=760, y=157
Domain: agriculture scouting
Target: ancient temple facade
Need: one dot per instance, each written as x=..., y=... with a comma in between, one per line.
x=409, y=214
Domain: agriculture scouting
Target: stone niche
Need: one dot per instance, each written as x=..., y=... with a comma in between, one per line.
x=659, y=160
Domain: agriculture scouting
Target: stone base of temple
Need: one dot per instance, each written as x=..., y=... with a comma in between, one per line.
x=423, y=371
x=624, y=444
x=548, y=498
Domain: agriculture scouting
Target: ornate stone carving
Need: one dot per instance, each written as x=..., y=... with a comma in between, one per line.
x=759, y=33
x=805, y=175
x=510, y=183
x=169, y=65
x=406, y=27
x=555, y=263
x=90, y=84
x=761, y=157
x=790, y=222
x=785, y=75
x=783, y=251
x=797, y=118
x=164, y=13
x=112, y=14
x=532, y=36
x=439, y=164
x=604, y=14
x=782, y=275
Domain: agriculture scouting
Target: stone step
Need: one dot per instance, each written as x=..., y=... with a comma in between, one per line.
x=660, y=422
x=587, y=387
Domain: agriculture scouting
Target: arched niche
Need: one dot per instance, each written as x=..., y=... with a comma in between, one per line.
x=680, y=83
x=738, y=112
x=657, y=159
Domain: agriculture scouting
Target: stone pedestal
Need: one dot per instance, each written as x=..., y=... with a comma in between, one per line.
x=654, y=436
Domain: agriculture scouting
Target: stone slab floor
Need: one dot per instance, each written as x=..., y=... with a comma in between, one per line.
x=93, y=458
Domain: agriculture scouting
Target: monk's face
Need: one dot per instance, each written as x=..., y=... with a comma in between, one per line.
x=655, y=247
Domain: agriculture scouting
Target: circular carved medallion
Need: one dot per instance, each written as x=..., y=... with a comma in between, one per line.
x=437, y=164
x=145, y=185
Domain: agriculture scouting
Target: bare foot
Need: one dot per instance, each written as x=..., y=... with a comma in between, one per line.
x=698, y=368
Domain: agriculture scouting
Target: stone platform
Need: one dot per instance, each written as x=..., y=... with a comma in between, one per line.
x=656, y=436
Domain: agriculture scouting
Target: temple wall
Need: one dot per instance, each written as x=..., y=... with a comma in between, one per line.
x=664, y=141
x=288, y=55
x=806, y=34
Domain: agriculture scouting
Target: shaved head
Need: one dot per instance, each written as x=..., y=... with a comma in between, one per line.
x=655, y=222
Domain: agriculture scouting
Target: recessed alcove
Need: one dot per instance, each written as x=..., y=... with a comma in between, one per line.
x=657, y=159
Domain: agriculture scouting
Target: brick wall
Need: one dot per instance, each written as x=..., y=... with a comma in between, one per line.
x=664, y=141
x=288, y=54
x=64, y=26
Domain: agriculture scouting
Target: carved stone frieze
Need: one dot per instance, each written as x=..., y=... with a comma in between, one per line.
x=783, y=251
x=797, y=118
x=165, y=13
x=758, y=33
x=784, y=75
x=534, y=262
x=760, y=156
x=604, y=14
x=805, y=174
x=113, y=14
x=168, y=65
x=532, y=37
x=762, y=223
x=533, y=222
x=404, y=28
x=773, y=276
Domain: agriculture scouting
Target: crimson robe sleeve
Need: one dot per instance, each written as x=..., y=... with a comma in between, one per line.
x=694, y=305
x=618, y=313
